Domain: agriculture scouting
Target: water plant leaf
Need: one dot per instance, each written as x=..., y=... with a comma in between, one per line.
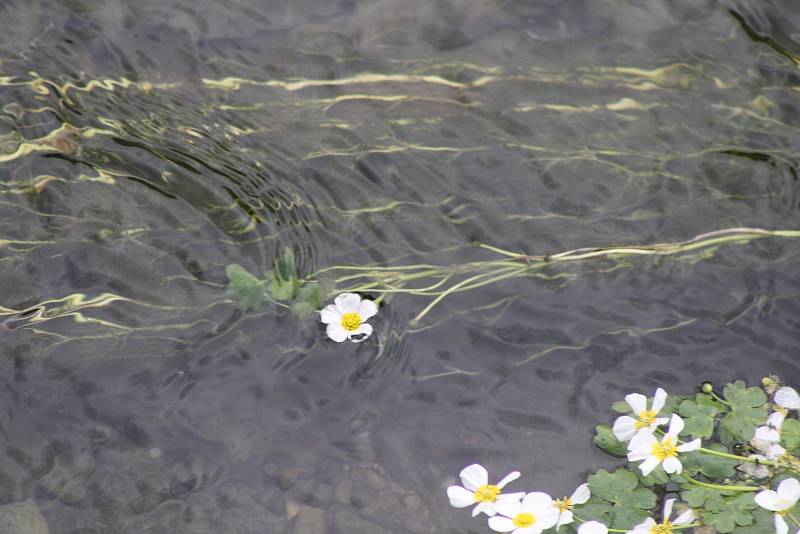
x=747, y=409
x=620, y=488
x=736, y=511
x=763, y=523
x=656, y=477
x=281, y=289
x=246, y=289
x=790, y=435
x=708, y=499
x=595, y=508
x=698, y=416
x=605, y=439
x=711, y=466
x=309, y=298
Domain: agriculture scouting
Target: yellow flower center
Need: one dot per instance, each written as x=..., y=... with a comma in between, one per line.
x=666, y=449
x=524, y=519
x=351, y=321
x=662, y=528
x=487, y=493
x=646, y=418
x=563, y=505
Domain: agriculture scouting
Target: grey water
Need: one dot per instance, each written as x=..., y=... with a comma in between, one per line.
x=146, y=145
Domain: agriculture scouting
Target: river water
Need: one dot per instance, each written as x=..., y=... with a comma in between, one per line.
x=146, y=145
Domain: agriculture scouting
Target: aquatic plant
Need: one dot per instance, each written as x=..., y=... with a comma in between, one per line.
x=707, y=456
x=284, y=286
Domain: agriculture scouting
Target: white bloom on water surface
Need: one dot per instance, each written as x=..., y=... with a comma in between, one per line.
x=564, y=506
x=780, y=501
x=787, y=397
x=532, y=515
x=766, y=438
x=649, y=526
x=346, y=318
x=592, y=527
x=645, y=446
x=626, y=427
x=477, y=490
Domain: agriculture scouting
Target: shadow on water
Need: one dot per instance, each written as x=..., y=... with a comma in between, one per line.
x=145, y=146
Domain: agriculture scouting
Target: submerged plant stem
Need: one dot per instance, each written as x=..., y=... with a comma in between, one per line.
x=737, y=457
x=721, y=487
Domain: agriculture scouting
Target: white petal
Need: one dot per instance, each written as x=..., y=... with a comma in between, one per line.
x=511, y=496
x=508, y=508
x=788, y=398
x=658, y=422
x=511, y=477
x=460, y=497
x=775, y=419
x=780, y=525
x=534, y=529
x=565, y=518
x=533, y=502
x=330, y=315
x=789, y=490
x=659, y=400
x=501, y=524
x=361, y=333
x=648, y=465
x=546, y=518
x=624, y=428
x=593, y=527
x=691, y=446
x=774, y=452
x=474, y=476
x=768, y=434
x=637, y=402
x=675, y=425
x=768, y=500
x=668, y=508
x=348, y=302
x=336, y=332
x=639, y=454
x=581, y=494
x=685, y=518
x=485, y=507
x=642, y=439
x=367, y=309
x=644, y=526
x=672, y=465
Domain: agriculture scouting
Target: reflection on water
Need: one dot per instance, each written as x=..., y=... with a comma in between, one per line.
x=144, y=146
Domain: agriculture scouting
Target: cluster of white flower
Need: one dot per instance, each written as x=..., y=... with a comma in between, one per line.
x=520, y=513
x=531, y=513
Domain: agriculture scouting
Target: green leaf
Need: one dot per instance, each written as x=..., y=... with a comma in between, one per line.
x=763, y=523
x=735, y=512
x=747, y=409
x=656, y=477
x=605, y=439
x=246, y=289
x=621, y=407
x=790, y=435
x=620, y=487
x=709, y=499
x=626, y=517
x=595, y=508
x=711, y=466
x=698, y=416
x=285, y=265
x=309, y=298
x=281, y=289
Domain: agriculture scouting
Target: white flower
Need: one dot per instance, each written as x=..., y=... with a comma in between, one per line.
x=766, y=438
x=788, y=398
x=531, y=516
x=478, y=490
x=626, y=427
x=593, y=527
x=564, y=506
x=665, y=527
x=645, y=446
x=780, y=501
x=346, y=318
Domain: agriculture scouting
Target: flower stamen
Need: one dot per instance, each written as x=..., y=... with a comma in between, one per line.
x=351, y=321
x=646, y=419
x=487, y=493
x=662, y=528
x=563, y=505
x=524, y=519
x=665, y=449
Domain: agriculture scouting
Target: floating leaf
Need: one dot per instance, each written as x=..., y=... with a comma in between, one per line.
x=747, y=409
x=790, y=435
x=249, y=291
x=280, y=289
x=735, y=512
x=605, y=439
x=709, y=499
x=713, y=467
x=698, y=416
x=629, y=502
x=285, y=265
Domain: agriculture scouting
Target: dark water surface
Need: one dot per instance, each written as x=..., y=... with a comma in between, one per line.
x=145, y=145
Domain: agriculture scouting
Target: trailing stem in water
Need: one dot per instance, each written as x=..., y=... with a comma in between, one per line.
x=441, y=281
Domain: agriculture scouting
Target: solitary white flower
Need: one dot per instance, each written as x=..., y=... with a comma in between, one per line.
x=788, y=398
x=564, y=506
x=649, y=525
x=478, y=490
x=531, y=516
x=593, y=527
x=780, y=501
x=771, y=432
x=626, y=427
x=645, y=446
x=346, y=318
